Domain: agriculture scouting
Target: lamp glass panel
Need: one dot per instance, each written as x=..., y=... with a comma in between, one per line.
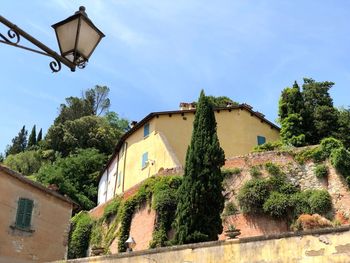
x=66, y=35
x=88, y=39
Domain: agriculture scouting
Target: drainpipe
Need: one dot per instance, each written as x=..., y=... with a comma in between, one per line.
x=125, y=151
x=107, y=185
x=116, y=174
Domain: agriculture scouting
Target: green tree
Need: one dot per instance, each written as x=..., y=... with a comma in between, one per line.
x=292, y=130
x=75, y=176
x=86, y=132
x=98, y=99
x=32, y=138
x=40, y=136
x=219, y=102
x=290, y=102
x=319, y=116
x=26, y=163
x=200, y=194
x=19, y=143
x=343, y=133
x=73, y=109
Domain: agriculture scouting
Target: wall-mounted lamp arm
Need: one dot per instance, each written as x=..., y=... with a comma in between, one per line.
x=13, y=38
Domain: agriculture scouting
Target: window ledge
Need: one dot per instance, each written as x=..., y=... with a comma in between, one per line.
x=14, y=227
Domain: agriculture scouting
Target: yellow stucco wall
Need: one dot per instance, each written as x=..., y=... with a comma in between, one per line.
x=237, y=131
x=50, y=222
x=321, y=246
x=170, y=135
x=159, y=156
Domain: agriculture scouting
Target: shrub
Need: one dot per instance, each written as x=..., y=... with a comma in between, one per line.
x=230, y=209
x=300, y=202
x=340, y=159
x=309, y=154
x=277, y=205
x=96, y=234
x=252, y=195
x=306, y=221
x=327, y=145
x=320, y=202
x=255, y=171
x=111, y=209
x=321, y=171
x=269, y=146
x=79, y=235
x=230, y=171
x=272, y=169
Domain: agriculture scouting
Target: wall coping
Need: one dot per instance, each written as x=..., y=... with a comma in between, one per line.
x=216, y=243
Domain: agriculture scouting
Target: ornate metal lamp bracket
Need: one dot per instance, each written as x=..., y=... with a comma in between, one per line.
x=13, y=38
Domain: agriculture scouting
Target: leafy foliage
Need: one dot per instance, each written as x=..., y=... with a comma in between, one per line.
x=32, y=137
x=201, y=190
x=268, y=146
x=86, y=132
x=230, y=171
x=252, y=195
x=219, y=102
x=278, y=198
x=277, y=205
x=344, y=127
x=79, y=235
x=111, y=209
x=19, y=143
x=26, y=163
x=255, y=171
x=340, y=159
x=321, y=171
x=308, y=116
x=230, y=209
x=273, y=169
x=75, y=175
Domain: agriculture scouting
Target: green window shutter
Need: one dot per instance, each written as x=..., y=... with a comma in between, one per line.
x=261, y=140
x=24, y=213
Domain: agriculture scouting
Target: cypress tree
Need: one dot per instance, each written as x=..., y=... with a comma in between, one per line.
x=40, y=136
x=32, y=137
x=19, y=143
x=200, y=199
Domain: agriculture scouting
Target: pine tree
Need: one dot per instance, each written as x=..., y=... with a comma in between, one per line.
x=40, y=136
x=200, y=195
x=19, y=143
x=32, y=137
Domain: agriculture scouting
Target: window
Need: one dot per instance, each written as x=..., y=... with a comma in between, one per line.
x=146, y=130
x=261, y=140
x=24, y=213
x=144, y=160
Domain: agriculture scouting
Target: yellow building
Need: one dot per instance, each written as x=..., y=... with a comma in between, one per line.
x=160, y=141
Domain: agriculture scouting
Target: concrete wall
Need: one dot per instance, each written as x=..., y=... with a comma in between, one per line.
x=322, y=246
x=50, y=222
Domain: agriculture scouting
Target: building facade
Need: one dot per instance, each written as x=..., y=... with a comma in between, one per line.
x=160, y=141
x=34, y=221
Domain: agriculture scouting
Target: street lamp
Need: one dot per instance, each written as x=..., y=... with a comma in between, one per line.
x=77, y=38
x=130, y=243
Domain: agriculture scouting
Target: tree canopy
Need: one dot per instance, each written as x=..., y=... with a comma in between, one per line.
x=308, y=116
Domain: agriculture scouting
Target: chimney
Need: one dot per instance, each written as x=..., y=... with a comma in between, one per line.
x=187, y=106
x=132, y=124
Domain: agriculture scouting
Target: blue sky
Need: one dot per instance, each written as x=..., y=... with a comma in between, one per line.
x=158, y=53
